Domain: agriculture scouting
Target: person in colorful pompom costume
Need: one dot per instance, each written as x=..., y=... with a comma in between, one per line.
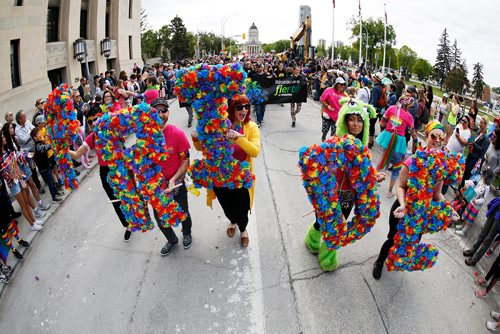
x=338, y=175
x=420, y=207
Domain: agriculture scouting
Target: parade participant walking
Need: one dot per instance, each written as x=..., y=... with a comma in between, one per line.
x=331, y=106
x=174, y=170
x=296, y=106
x=452, y=115
x=245, y=136
x=87, y=145
x=395, y=123
x=434, y=135
x=354, y=120
x=259, y=108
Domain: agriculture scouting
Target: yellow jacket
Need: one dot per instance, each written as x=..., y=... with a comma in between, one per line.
x=250, y=143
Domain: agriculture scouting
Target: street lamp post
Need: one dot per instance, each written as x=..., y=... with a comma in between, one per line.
x=223, y=23
x=80, y=53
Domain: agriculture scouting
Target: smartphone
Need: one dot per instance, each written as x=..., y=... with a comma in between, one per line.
x=457, y=130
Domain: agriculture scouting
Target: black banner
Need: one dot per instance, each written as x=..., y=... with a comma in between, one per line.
x=283, y=89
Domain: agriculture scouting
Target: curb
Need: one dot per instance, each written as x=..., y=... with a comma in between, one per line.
x=31, y=235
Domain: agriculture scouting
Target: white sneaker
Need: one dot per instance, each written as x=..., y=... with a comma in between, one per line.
x=460, y=233
x=44, y=206
x=495, y=315
x=39, y=213
x=36, y=227
x=491, y=325
x=459, y=227
x=39, y=222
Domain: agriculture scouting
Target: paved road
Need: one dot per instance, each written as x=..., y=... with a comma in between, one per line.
x=79, y=276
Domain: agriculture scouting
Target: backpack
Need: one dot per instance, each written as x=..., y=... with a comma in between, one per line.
x=382, y=100
x=423, y=113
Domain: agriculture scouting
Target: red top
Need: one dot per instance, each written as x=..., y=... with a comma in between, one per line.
x=238, y=153
x=90, y=141
x=177, y=143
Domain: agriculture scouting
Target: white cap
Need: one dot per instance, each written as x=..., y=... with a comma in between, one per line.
x=339, y=80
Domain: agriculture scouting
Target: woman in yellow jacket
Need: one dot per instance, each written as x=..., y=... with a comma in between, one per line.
x=245, y=137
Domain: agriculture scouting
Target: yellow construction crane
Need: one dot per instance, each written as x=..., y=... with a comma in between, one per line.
x=304, y=30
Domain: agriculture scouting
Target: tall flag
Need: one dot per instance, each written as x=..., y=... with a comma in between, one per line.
x=333, y=3
x=385, y=13
x=359, y=2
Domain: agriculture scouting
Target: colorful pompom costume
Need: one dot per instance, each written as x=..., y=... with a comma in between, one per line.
x=324, y=168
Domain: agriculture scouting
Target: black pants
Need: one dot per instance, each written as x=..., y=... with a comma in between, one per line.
x=327, y=125
x=182, y=199
x=393, y=228
x=34, y=176
x=236, y=204
x=493, y=274
x=48, y=178
x=373, y=122
x=103, y=173
x=486, y=237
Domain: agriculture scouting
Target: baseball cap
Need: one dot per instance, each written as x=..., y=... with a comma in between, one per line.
x=159, y=101
x=340, y=81
x=39, y=119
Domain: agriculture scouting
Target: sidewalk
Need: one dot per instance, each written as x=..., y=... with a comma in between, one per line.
x=24, y=228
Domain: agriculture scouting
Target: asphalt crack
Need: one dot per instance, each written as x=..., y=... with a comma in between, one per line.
x=139, y=288
x=376, y=304
x=285, y=172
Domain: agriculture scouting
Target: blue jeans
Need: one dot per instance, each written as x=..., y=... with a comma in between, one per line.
x=259, y=112
x=48, y=178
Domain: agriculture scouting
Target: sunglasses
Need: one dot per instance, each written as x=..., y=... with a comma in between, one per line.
x=241, y=106
x=436, y=137
x=162, y=110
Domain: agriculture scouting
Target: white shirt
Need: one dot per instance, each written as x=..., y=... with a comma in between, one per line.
x=363, y=95
x=453, y=144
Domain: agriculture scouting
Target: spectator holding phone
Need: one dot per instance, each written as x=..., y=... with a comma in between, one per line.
x=460, y=136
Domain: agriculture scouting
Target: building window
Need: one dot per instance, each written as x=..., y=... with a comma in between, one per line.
x=15, y=75
x=130, y=8
x=130, y=54
x=52, y=24
x=18, y=2
x=83, y=24
x=107, y=25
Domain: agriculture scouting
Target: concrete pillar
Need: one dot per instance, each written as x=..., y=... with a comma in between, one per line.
x=97, y=31
x=69, y=30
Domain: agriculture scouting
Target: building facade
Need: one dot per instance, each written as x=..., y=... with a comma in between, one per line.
x=321, y=43
x=253, y=46
x=36, y=44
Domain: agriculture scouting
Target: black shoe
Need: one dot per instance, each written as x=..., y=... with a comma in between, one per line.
x=16, y=253
x=189, y=124
x=127, y=235
x=16, y=214
x=293, y=124
x=56, y=200
x=41, y=191
x=6, y=270
x=77, y=173
x=468, y=252
x=23, y=243
x=167, y=249
x=187, y=241
x=76, y=163
x=469, y=262
x=377, y=270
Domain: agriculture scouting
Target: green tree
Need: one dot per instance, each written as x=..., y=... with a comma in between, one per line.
x=477, y=80
x=150, y=44
x=456, y=55
x=164, y=42
x=443, y=58
x=495, y=90
x=422, y=68
x=456, y=80
x=180, y=42
x=406, y=58
x=375, y=31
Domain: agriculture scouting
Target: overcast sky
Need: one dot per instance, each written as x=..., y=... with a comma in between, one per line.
x=418, y=24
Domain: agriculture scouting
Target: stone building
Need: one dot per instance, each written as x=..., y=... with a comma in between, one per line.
x=37, y=39
x=253, y=46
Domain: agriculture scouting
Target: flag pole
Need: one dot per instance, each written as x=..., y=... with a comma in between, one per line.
x=385, y=39
x=360, y=33
x=333, y=31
